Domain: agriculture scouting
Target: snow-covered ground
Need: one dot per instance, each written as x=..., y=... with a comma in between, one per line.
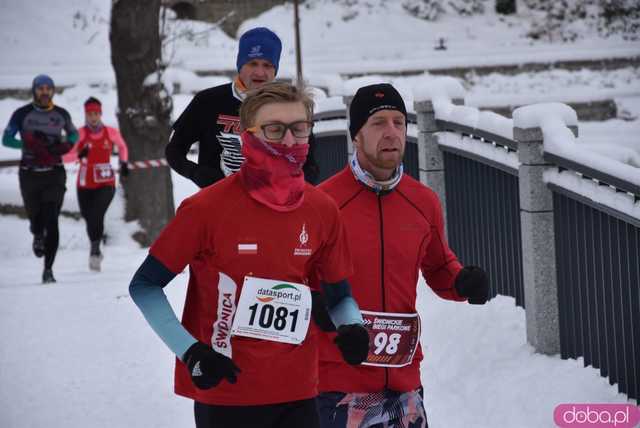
x=79, y=354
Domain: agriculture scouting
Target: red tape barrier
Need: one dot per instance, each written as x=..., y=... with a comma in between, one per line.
x=151, y=163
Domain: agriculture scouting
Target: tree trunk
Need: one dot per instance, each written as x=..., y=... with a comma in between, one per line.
x=144, y=112
x=506, y=7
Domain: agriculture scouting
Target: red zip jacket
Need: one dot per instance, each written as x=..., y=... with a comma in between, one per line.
x=391, y=237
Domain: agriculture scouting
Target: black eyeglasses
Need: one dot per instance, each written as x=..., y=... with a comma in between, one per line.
x=275, y=131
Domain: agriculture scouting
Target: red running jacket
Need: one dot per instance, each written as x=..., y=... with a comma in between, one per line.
x=391, y=238
x=207, y=234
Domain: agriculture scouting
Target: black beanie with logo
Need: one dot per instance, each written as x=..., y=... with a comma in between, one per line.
x=370, y=99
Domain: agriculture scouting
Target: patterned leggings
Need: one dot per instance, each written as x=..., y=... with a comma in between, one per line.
x=386, y=409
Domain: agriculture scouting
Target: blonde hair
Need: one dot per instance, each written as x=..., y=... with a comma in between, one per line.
x=273, y=92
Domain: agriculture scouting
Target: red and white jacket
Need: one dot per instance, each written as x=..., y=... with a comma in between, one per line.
x=392, y=237
x=95, y=169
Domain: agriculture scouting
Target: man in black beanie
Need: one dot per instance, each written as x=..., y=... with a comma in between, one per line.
x=212, y=119
x=396, y=224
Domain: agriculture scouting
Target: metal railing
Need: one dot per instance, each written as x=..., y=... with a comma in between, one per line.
x=598, y=268
x=483, y=217
x=572, y=261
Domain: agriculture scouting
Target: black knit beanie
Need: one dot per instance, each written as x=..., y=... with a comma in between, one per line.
x=370, y=99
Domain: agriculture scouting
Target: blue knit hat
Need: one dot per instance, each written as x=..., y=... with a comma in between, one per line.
x=41, y=79
x=259, y=43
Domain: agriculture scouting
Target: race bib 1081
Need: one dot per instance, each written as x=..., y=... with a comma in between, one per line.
x=273, y=310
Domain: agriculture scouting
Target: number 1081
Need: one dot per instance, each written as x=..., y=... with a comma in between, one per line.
x=269, y=316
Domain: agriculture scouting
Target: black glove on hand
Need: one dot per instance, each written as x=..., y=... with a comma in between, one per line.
x=36, y=143
x=84, y=152
x=320, y=313
x=353, y=342
x=59, y=148
x=208, y=367
x=124, y=169
x=203, y=176
x=45, y=139
x=41, y=137
x=473, y=283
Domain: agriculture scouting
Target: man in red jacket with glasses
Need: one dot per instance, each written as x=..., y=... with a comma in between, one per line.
x=395, y=226
x=247, y=354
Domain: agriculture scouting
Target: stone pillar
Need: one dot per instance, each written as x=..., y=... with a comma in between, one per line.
x=430, y=158
x=538, y=244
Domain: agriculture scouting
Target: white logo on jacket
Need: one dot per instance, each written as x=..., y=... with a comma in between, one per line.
x=303, y=250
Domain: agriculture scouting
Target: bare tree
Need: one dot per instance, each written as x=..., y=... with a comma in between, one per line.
x=144, y=110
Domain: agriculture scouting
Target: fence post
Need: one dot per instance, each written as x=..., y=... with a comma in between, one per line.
x=538, y=244
x=430, y=158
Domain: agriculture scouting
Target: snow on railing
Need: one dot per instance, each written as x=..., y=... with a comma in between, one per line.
x=602, y=179
x=443, y=96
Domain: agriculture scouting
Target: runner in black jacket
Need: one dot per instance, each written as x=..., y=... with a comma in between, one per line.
x=212, y=116
x=46, y=133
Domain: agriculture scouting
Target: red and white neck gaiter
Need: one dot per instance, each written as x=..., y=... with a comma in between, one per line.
x=272, y=173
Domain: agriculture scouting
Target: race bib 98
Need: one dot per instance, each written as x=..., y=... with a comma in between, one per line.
x=273, y=310
x=393, y=338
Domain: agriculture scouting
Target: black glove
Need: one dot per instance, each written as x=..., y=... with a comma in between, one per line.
x=84, y=152
x=208, y=367
x=353, y=342
x=204, y=175
x=53, y=144
x=58, y=147
x=124, y=169
x=41, y=137
x=45, y=139
x=473, y=283
x=36, y=143
x=320, y=313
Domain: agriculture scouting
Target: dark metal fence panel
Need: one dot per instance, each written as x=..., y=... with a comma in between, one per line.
x=331, y=154
x=410, y=162
x=598, y=267
x=633, y=277
x=483, y=221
